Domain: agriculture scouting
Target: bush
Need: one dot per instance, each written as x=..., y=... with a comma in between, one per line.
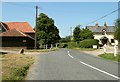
x=62, y=45
x=19, y=73
x=88, y=43
x=72, y=45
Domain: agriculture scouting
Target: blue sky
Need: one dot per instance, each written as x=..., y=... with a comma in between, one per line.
x=65, y=14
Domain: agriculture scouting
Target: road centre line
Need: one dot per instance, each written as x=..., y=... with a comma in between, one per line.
x=70, y=55
x=100, y=70
x=95, y=68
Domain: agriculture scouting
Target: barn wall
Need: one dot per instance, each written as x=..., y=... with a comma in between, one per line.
x=31, y=34
x=17, y=42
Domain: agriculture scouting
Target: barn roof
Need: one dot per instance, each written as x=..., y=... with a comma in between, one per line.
x=14, y=33
x=22, y=26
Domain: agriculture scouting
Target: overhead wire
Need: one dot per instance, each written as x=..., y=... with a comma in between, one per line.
x=102, y=17
x=80, y=25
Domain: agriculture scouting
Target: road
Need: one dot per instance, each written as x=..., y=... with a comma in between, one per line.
x=66, y=64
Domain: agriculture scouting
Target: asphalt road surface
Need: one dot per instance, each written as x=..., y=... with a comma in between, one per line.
x=66, y=64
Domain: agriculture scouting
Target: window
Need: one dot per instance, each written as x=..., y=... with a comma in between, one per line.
x=24, y=40
x=103, y=32
x=112, y=41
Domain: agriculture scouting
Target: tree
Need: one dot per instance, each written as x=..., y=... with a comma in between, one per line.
x=47, y=32
x=76, y=34
x=66, y=39
x=82, y=34
x=117, y=31
x=86, y=34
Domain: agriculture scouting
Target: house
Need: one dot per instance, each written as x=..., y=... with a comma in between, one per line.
x=104, y=31
x=16, y=35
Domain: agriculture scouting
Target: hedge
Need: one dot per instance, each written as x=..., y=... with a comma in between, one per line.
x=88, y=43
x=62, y=45
x=72, y=45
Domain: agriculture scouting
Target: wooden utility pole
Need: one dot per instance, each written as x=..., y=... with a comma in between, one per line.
x=36, y=27
x=71, y=33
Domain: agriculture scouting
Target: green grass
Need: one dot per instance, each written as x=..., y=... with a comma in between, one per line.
x=42, y=50
x=84, y=49
x=110, y=56
x=19, y=73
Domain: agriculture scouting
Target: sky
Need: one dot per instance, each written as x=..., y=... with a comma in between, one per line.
x=64, y=14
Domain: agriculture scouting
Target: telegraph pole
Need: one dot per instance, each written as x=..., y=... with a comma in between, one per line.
x=71, y=32
x=36, y=27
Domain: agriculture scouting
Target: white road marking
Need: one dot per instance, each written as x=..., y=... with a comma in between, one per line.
x=70, y=55
x=100, y=70
x=68, y=52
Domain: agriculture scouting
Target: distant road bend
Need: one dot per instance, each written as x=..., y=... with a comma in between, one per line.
x=66, y=64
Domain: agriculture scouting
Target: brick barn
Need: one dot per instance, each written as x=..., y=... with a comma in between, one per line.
x=16, y=35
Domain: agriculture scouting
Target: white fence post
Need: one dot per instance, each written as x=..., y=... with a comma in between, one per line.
x=46, y=46
x=56, y=45
x=115, y=50
x=104, y=48
x=51, y=46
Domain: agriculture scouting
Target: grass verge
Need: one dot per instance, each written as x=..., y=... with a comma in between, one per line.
x=110, y=56
x=15, y=66
x=84, y=49
x=42, y=50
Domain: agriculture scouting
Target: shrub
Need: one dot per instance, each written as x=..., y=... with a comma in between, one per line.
x=19, y=73
x=62, y=45
x=88, y=43
x=72, y=44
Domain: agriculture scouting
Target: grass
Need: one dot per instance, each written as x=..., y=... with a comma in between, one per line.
x=84, y=49
x=42, y=50
x=15, y=66
x=110, y=56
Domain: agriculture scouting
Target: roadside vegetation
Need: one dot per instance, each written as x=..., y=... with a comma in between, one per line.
x=73, y=45
x=82, y=39
x=42, y=50
x=46, y=31
x=15, y=66
x=110, y=56
x=117, y=31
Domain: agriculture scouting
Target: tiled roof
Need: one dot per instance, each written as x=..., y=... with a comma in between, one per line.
x=22, y=26
x=100, y=28
x=14, y=33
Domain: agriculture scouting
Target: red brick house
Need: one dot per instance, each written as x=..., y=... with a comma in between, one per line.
x=16, y=35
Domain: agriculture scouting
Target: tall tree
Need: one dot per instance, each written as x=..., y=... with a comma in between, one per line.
x=47, y=32
x=76, y=34
x=117, y=32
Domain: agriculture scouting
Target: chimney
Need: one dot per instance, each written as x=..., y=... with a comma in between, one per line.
x=105, y=24
x=96, y=24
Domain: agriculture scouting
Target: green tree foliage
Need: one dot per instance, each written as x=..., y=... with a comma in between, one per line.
x=86, y=34
x=66, y=39
x=47, y=32
x=117, y=32
x=82, y=34
x=76, y=33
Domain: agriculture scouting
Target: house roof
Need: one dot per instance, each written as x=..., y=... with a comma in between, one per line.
x=14, y=33
x=22, y=26
x=100, y=28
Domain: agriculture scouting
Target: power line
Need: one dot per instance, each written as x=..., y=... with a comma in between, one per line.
x=81, y=25
x=102, y=17
x=22, y=5
x=19, y=4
